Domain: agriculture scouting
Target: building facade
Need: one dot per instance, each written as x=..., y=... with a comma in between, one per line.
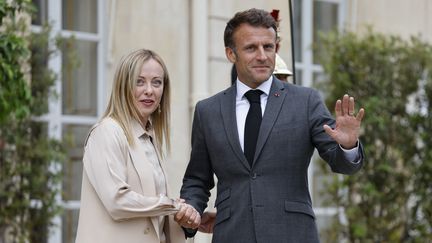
x=188, y=34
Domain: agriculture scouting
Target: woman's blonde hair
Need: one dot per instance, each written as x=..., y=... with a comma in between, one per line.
x=122, y=105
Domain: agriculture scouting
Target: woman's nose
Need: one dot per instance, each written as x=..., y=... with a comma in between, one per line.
x=148, y=89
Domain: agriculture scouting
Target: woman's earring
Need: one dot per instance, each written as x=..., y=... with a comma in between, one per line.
x=159, y=109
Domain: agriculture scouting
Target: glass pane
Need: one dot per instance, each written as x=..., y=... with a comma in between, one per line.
x=297, y=9
x=72, y=168
x=80, y=15
x=318, y=82
x=79, y=84
x=325, y=19
x=69, y=225
x=318, y=79
x=40, y=16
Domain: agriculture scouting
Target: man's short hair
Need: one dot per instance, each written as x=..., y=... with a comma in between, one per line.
x=254, y=17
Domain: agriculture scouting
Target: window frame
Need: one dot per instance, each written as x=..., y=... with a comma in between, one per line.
x=55, y=118
x=307, y=70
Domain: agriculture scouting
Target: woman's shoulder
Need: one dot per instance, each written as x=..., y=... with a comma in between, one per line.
x=108, y=123
x=106, y=129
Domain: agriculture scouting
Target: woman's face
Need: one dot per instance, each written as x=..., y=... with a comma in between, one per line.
x=149, y=88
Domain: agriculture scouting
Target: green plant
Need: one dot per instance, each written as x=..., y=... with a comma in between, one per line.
x=28, y=158
x=389, y=199
x=15, y=91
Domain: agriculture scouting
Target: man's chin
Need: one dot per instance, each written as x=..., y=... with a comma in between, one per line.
x=262, y=78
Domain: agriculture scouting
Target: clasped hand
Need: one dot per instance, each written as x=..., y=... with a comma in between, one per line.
x=187, y=216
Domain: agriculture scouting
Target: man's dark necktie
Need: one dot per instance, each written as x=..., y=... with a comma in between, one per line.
x=253, y=123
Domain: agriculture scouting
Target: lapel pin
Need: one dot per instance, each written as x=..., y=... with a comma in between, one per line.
x=277, y=94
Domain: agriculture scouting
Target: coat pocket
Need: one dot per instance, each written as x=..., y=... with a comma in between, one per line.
x=299, y=207
x=223, y=206
x=221, y=197
x=222, y=215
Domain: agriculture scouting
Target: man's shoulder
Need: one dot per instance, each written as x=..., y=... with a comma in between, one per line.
x=299, y=90
x=216, y=98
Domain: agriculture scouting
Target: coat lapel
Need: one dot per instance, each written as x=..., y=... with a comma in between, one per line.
x=228, y=110
x=143, y=167
x=274, y=104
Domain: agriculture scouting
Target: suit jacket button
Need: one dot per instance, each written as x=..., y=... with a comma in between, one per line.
x=254, y=176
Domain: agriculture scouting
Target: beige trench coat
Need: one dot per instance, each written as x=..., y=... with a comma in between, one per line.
x=118, y=195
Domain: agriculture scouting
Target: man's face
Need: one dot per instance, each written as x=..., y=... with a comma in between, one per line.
x=254, y=54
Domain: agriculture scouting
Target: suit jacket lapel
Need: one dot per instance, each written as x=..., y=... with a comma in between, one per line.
x=275, y=100
x=228, y=110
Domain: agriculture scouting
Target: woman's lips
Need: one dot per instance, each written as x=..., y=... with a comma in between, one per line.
x=147, y=102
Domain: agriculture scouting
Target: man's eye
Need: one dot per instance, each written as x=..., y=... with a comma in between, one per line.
x=269, y=47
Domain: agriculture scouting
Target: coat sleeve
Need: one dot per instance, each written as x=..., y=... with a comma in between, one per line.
x=105, y=158
x=328, y=149
x=198, y=179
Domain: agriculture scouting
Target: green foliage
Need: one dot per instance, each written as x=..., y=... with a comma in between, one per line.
x=8, y=9
x=389, y=200
x=15, y=91
x=29, y=160
x=39, y=71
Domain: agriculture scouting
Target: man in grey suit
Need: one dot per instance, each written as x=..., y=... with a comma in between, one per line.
x=262, y=189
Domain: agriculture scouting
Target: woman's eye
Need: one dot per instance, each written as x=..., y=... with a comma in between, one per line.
x=140, y=82
x=157, y=82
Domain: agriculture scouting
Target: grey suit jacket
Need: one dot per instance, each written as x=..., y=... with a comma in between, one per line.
x=270, y=201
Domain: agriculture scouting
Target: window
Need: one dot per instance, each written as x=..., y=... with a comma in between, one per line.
x=79, y=90
x=311, y=18
x=325, y=19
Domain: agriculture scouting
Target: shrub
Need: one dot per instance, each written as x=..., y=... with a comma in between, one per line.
x=29, y=176
x=389, y=200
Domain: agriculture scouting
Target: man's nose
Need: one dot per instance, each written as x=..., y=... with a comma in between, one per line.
x=261, y=55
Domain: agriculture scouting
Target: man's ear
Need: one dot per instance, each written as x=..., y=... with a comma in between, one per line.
x=230, y=54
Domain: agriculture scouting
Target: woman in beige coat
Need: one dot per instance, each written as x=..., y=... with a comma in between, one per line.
x=124, y=195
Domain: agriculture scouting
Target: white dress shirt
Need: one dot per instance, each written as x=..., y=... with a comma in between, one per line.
x=158, y=174
x=242, y=105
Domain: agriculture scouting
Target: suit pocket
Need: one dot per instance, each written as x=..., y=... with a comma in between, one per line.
x=299, y=207
x=223, y=206
x=222, y=215
x=221, y=197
